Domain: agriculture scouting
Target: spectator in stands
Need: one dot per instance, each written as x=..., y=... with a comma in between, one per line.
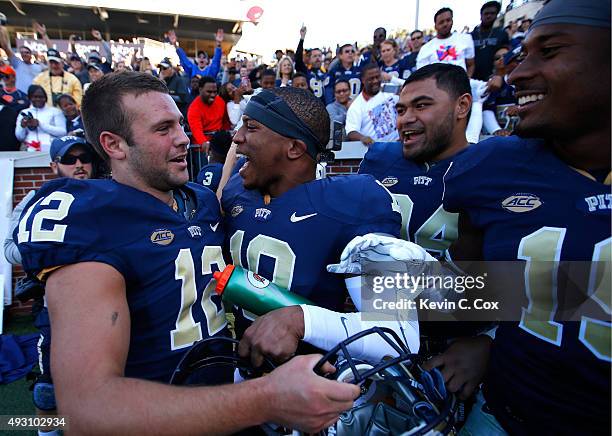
x=372, y=54
x=72, y=113
x=317, y=78
x=78, y=68
x=300, y=81
x=231, y=76
x=417, y=39
x=278, y=56
x=146, y=67
x=194, y=89
x=255, y=75
x=207, y=114
x=500, y=110
x=345, y=69
x=284, y=72
x=9, y=94
x=38, y=125
x=244, y=77
x=371, y=116
x=521, y=31
x=95, y=73
x=95, y=58
x=201, y=68
x=342, y=100
x=448, y=47
x=120, y=66
x=487, y=40
x=176, y=85
x=235, y=101
x=268, y=79
x=8, y=121
x=210, y=174
x=25, y=68
x=393, y=69
x=56, y=81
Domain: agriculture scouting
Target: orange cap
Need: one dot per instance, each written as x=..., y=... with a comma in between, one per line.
x=222, y=277
x=7, y=70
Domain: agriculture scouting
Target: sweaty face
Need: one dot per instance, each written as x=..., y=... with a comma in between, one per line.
x=78, y=170
x=208, y=93
x=371, y=81
x=158, y=155
x=444, y=24
x=425, y=120
x=299, y=82
x=555, y=81
x=264, y=150
x=268, y=82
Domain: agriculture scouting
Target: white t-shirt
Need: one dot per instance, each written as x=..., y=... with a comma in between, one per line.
x=452, y=50
x=374, y=118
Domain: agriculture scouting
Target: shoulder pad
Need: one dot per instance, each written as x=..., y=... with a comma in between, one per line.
x=352, y=199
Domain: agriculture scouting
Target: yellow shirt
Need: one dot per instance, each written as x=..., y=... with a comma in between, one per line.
x=57, y=85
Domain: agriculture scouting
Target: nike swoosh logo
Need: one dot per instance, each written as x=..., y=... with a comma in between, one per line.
x=295, y=219
x=344, y=320
x=214, y=228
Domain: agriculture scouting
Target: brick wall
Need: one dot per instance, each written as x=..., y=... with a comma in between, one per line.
x=345, y=166
x=26, y=179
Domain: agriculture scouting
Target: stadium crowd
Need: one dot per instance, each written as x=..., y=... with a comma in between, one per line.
x=457, y=125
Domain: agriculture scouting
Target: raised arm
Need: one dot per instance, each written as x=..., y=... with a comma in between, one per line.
x=213, y=69
x=186, y=63
x=5, y=43
x=41, y=29
x=299, y=53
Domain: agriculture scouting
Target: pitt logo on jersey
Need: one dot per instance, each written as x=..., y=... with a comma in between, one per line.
x=262, y=214
x=195, y=231
x=422, y=180
x=162, y=237
x=520, y=203
x=600, y=204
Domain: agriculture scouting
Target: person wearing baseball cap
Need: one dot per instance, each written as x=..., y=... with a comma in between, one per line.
x=175, y=83
x=10, y=95
x=56, y=81
x=73, y=157
x=77, y=67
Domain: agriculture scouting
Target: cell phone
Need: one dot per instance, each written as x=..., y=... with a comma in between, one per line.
x=337, y=135
x=391, y=88
x=245, y=81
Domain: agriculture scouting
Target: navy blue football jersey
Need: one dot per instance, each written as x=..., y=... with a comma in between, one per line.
x=291, y=240
x=352, y=75
x=399, y=69
x=418, y=191
x=546, y=376
x=317, y=81
x=210, y=176
x=166, y=258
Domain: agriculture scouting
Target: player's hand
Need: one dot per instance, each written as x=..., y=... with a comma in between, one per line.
x=24, y=123
x=502, y=132
x=219, y=36
x=303, y=400
x=96, y=34
x=366, y=140
x=275, y=335
x=33, y=123
x=41, y=29
x=463, y=364
x=303, y=32
x=171, y=36
x=386, y=77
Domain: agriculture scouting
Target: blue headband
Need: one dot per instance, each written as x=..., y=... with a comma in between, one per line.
x=595, y=13
x=272, y=111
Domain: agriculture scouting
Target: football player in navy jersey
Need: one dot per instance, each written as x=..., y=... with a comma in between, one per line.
x=544, y=197
x=318, y=78
x=287, y=226
x=344, y=70
x=432, y=114
x=128, y=264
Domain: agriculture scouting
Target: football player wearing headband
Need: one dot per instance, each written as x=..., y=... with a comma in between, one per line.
x=128, y=264
x=546, y=374
x=287, y=226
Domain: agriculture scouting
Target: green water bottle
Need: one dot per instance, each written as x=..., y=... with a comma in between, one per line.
x=252, y=292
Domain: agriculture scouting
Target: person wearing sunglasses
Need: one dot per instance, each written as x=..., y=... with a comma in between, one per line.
x=417, y=39
x=71, y=157
x=347, y=70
